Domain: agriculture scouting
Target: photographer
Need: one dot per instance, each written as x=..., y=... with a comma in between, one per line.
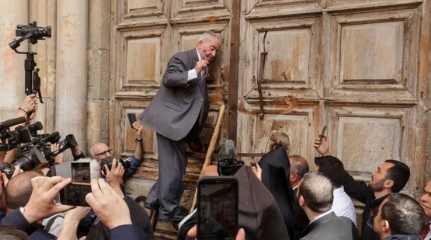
x=27, y=109
x=102, y=153
x=139, y=217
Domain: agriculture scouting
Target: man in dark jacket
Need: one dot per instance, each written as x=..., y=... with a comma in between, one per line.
x=389, y=177
x=399, y=217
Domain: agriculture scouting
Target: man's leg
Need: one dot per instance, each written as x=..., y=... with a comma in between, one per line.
x=172, y=167
x=152, y=201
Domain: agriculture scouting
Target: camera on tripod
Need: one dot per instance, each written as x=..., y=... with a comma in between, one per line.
x=32, y=32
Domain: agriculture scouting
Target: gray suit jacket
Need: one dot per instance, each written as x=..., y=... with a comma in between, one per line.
x=176, y=107
x=331, y=227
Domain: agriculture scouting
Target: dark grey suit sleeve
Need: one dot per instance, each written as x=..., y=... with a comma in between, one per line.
x=176, y=74
x=124, y=232
x=16, y=219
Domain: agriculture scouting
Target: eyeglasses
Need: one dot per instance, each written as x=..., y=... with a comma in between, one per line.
x=103, y=153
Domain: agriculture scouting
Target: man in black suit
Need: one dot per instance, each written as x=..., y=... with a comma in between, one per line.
x=177, y=114
x=315, y=196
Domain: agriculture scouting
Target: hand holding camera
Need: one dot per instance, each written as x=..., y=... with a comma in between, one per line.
x=28, y=108
x=114, y=175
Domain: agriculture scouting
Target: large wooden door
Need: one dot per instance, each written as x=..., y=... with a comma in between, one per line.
x=361, y=67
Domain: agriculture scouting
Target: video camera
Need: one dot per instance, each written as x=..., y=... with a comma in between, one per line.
x=32, y=32
x=33, y=149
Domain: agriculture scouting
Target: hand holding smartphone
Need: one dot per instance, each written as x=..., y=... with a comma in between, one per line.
x=132, y=119
x=81, y=172
x=217, y=208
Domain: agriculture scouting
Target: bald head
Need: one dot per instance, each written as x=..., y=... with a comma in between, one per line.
x=19, y=189
x=100, y=151
x=316, y=191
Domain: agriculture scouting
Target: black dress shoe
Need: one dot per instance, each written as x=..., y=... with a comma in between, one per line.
x=178, y=215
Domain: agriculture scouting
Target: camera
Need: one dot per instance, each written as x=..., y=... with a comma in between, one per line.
x=33, y=149
x=37, y=151
x=68, y=142
x=227, y=164
x=33, y=32
x=81, y=172
x=108, y=162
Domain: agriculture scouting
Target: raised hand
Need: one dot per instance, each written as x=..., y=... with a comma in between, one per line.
x=321, y=145
x=42, y=200
x=110, y=207
x=200, y=65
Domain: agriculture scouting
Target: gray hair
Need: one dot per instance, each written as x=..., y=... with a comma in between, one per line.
x=210, y=34
x=317, y=191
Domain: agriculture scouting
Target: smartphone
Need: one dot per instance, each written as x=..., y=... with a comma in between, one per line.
x=81, y=172
x=132, y=118
x=323, y=132
x=217, y=208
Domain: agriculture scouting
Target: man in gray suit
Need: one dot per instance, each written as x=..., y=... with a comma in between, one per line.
x=315, y=196
x=177, y=113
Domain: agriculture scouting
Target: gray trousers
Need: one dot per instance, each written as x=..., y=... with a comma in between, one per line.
x=166, y=192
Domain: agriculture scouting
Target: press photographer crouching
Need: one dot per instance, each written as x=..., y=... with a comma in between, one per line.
x=103, y=153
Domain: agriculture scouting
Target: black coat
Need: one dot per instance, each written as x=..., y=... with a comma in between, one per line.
x=275, y=176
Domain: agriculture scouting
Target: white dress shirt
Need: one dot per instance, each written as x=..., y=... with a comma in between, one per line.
x=192, y=74
x=342, y=205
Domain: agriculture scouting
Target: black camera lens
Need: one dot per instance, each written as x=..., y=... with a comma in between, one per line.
x=34, y=127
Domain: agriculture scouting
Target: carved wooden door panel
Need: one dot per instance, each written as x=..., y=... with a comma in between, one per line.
x=358, y=67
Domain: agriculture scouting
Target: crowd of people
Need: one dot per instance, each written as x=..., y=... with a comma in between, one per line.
x=278, y=196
